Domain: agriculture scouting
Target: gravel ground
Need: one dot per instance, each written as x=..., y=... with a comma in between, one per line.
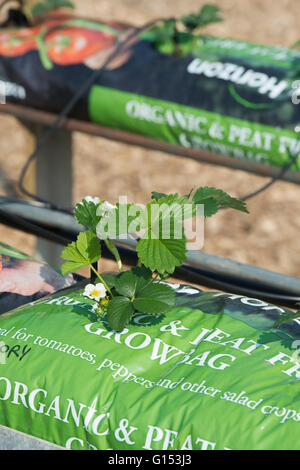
x=268, y=237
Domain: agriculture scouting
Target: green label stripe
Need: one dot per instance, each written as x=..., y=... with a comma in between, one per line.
x=277, y=56
x=191, y=127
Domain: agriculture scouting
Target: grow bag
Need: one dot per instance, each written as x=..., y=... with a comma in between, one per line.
x=227, y=96
x=216, y=372
x=23, y=279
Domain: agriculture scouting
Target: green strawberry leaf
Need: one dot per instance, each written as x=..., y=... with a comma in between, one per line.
x=126, y=284
x=110, y=280
x=205, y=195
x=85, y=251
x=166, y=47
x=89, y=246
x=119, y=312
x=86, y=214
x=155, y=299
x=130, y=282
x=156, y=196
x=143, y=275
x=211, y=207
x=161, y=255
x=169, y=39
x=207, y=15
x=71, y=267
x=160, y=33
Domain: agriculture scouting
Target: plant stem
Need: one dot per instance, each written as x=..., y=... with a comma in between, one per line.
x=102, y=280
x=150, y=282
x=113, y=249
x=153, y=279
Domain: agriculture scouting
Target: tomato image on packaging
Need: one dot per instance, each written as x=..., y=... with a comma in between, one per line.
x=17, y=42
x=73, y=45
x=61, y=40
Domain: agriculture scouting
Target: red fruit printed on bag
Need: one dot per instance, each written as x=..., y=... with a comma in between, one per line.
x=15, y=42
x=73, y=45
x=18, y=41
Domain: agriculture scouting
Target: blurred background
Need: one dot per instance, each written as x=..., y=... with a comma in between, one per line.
x=269, y=236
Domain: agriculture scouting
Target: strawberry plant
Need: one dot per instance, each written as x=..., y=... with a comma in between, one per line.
x=178, y=37
x=161, y=247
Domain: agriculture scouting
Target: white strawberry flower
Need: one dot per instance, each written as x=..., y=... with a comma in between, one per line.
x=94, y=200
x=95, y=292
x=107, y=206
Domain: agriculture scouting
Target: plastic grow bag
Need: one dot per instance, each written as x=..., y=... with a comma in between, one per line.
x=214, y=373
x=227, y=96
x=23, y=279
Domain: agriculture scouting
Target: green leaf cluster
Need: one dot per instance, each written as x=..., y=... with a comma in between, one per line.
x=178, y=37
x=213, y=199
x=42, y=8
x=161, y=247
x=87, y=214
x=84, y=252
x=135, y=291
x=162, y=242
x=208, y=14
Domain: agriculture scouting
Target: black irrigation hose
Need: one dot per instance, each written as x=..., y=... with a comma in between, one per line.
x=184, y=273
x=194, y=275
x=272, y=180
x=33, y=228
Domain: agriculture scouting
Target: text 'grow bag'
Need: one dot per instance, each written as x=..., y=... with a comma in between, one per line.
x=213, y=373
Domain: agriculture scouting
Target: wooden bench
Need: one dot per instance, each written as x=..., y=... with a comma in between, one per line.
x=54, y=162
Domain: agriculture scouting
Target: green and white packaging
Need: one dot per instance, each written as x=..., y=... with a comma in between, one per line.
x=213, y=373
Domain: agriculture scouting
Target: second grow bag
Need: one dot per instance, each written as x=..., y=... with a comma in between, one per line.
x=227, y=96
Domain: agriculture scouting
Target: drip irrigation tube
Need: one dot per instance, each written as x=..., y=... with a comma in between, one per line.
x=202, y=268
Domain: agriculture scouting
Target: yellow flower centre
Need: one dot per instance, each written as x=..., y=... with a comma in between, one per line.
x=95, y=292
